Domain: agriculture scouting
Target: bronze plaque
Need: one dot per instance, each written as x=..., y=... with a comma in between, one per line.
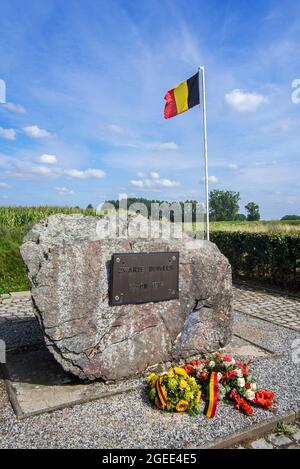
x=144, y=277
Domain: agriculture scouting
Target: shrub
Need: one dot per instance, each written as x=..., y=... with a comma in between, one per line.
x=272, y=257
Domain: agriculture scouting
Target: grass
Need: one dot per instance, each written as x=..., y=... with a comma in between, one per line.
x=13, y=275
x=284, y=429
x=273, y=226
x=15, y=222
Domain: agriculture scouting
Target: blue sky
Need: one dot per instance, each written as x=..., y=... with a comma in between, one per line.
x=85, y=83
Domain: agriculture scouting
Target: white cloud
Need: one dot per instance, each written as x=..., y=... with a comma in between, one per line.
x=141, y=175
x=232, y=166
x=117, y=129
x=64, y=191
x=4, y=185
x=137, y=183
x=15, y=107
x=168, y=183
x=8, y=134
x=43, y=170
x=84, y=174
x=48, y=159
x=212, y=179
x=154, y=182
x=35, y=132
x=243, y=102
x=167, y=146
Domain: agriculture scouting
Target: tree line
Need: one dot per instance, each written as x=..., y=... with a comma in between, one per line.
x=224, y=206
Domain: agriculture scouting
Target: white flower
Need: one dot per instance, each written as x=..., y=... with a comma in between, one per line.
x=239, y=373
x=211, y=364
x=253, y=386
x=199, y=368
x=249, y=395
x=241, y=382
x=221, y=392
x=227, y=364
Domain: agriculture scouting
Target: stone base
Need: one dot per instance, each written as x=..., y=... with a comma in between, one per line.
x=45, y=386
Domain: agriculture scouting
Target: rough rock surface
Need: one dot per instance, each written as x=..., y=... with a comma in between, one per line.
x=68, y=264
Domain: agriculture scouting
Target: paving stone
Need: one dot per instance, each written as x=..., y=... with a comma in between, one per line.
x=274, y=307
x=296, y=435
x=293, y=447
x=260, y=444
x=279, y=440
x=4, y=296
x=21, y=294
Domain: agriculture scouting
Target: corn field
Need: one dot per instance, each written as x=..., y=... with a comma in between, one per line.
x=20, y=216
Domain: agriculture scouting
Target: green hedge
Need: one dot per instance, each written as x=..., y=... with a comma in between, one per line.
x=271, y=257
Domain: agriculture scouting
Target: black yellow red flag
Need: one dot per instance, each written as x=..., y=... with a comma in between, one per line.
x=183, y=97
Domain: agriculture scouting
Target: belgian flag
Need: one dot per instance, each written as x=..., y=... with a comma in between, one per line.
x=183, y=97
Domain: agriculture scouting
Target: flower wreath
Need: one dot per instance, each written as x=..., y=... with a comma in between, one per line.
x=215, y=377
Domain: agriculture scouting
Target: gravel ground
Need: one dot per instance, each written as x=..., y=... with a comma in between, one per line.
x=129, y=421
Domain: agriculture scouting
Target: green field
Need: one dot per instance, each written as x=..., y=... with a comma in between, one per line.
x=20, y=216
x=272, y=226
x=16, y=221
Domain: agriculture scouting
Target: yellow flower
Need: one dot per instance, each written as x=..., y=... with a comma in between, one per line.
x=170, y=374
x=179, y=371
x=172, y=383
x=182, y=384
x=188, y=395
x=198, y=396
x=150, y=377
x=182, y=406
x=152, y=394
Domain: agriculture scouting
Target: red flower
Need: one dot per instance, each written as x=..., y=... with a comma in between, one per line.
x=264, y=398
x=232, y=374
x=262, y=402
x=241, y=404
x=244, y=371
x=227, y=358
x=204, y=375
x=188, y=368
x=248, y=386
x=266, y=394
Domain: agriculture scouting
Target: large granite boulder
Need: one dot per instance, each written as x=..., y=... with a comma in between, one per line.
x=68, y=264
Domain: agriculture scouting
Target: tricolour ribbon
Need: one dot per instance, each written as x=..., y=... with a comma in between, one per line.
x=160, y=393
x=212, y=395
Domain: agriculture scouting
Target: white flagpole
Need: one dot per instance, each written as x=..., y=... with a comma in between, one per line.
x=205, y=148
